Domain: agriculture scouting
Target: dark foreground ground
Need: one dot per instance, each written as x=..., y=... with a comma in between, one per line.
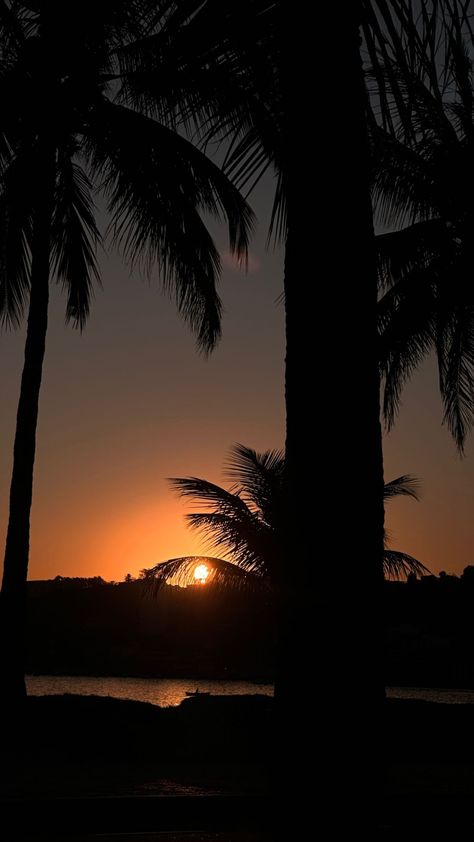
x=107, y=766
x=91, y=768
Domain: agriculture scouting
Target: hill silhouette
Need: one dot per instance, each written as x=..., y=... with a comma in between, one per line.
x=92, y=627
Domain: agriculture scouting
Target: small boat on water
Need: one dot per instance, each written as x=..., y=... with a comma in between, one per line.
x=198, y=692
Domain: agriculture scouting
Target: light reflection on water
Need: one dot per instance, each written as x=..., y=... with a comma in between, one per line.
x=168, y=692
x=433, y=694
x=165, y=692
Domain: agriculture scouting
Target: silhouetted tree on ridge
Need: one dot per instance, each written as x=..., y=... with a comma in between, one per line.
x=70, y=123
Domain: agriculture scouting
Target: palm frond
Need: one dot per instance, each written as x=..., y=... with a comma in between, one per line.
x=405, y=187
x=222, y=574
x=414, y=44
x=210, y=495
x=399, y=565
x=16, y=24
x=249, y=542
x=455, y=348
x=74, y=239
x=408, y=250
x=220, y=90
x=16, y=228
x=407, y=315
x=406, y=486
x=228, y=523
x=258, y=477
x=157, y=185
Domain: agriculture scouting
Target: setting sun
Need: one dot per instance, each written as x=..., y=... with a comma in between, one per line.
x=201, y=573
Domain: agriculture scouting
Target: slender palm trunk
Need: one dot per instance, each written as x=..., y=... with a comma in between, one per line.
x=15, y=570
x=330, y=627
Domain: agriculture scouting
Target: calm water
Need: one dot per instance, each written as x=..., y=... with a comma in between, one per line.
x=433, y=694
x=159, y=691
x=171, y=691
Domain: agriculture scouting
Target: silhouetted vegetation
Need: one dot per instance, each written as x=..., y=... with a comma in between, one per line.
x=247, y=522
x=421, y=127
x=92, y=627
x=430, y=631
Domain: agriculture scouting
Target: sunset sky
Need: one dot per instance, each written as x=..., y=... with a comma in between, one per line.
x=130, y=402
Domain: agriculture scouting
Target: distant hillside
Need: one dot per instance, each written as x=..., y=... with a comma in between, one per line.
x=429, y=637
x=92, y=627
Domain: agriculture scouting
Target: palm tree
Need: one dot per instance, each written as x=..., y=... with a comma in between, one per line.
x=423, y=155
x=70, y=124
x=252, y=85
x=246, y=521
x=241, y=70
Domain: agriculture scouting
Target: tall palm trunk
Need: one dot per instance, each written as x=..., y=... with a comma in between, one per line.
x=329, y=622
x=15, y=570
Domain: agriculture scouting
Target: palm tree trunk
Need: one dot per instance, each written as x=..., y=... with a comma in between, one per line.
x=330, y=628
x=15, y=570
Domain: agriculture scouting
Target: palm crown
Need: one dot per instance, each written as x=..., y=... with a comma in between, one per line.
x=246, y=523
x=74, y=99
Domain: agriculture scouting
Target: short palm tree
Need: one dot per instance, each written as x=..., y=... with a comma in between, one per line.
x=71, y=124
x=246, y=521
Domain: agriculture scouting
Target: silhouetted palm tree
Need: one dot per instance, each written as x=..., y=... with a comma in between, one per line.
x=269, y=56
x=246, y=521
x=70, y=123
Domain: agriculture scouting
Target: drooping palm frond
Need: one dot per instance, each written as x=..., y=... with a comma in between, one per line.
x=404, y=486
x=16, y=24
x=229, y=524
x=406, y=328
x=74, y=239
x=144, y=167
x=455, y=351
x=410, y=44
x=246, y=540
x=210, y=495
x=420, y=84
x=258, y=477
x=409, y=250
x=399, y=565
x=222, y=574
x=16, y=227
x=223, y=90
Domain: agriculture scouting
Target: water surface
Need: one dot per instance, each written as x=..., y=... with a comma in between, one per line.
x=165, y=692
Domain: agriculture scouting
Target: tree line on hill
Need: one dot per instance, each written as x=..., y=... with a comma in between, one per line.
x=87, y=626
x=429, y=631
x=79, y=626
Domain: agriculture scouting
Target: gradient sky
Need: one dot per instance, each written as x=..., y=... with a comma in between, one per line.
x=130, y=402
